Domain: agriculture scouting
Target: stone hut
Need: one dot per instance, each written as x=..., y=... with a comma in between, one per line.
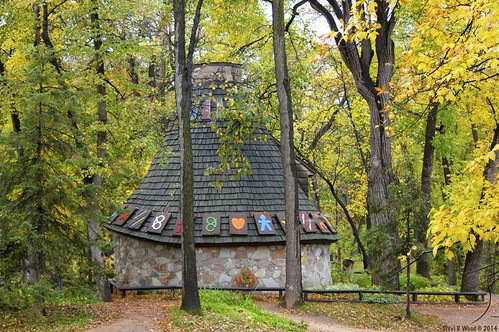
x=238, y=225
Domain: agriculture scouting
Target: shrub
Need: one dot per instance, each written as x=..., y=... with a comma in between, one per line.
x=340, y=286
x=245, y=278
x=338, y=276
x=381, y=298
x=437, y=298
x=363, y=280
x=417, y=282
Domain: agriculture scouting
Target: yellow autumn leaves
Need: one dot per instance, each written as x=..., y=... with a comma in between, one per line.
x=472, y=213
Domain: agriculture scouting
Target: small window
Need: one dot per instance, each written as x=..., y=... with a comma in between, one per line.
x=220, y=103
x=206, y=109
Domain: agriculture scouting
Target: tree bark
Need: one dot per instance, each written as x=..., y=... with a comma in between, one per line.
x=36, y=266
x=293, y=296
x=422, y=221
x=451, y=269
x=471, y=272
x=94, y=181
x=358, y=59
x=183, y=91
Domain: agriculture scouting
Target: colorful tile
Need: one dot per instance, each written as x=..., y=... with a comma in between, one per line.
x=281, y=217
x=124, y=216
x=159, y=222
x=211, y=224
x=308, y=224
x=264, y=224
x=238, y=224
x=138, y=218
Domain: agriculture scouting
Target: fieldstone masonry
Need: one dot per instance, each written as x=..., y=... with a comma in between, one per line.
x=146, y=263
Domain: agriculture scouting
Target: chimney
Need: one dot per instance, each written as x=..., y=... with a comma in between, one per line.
x=210, y=84
x=218, y=72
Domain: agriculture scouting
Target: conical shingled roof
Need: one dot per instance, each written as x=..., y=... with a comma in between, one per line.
x=262, y=191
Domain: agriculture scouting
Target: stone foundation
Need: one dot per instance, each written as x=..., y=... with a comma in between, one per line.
x=144, y=263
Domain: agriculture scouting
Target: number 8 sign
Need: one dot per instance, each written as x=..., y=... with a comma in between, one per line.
x=159, y=222
x=211, y=224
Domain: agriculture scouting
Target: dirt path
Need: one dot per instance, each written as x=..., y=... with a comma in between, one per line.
x=315, y=323
x=149, y=314
x=137, y=314
x=461, y=316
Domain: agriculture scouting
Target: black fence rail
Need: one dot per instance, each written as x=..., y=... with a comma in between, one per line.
x=414, y=294
x=306, y=292
x=172, y=288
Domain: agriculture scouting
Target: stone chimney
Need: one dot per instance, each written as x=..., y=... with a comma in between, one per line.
x=218, y=72
x=210, y=84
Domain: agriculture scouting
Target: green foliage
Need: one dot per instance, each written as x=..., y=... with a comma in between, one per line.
x=381, y=298
x=44, y=161
x=236, y=122
x=48, y=130
x=364, y=280
x=417, y=282
x=437, y=298
x=233, y=311
x=349, y=280
x=18, y=295
x=339, y=277
x=338, y=286
x=472, y=211
x=59, y=318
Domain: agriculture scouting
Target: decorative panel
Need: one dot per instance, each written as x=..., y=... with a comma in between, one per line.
x=138, y=218
x=159, y=222
x=264, y=223
x=211, y=224
x=124, y=217
x=323, y=227
x=178, y=228
x=238, y=224
x=328, y=224
x=281, y=217
x=308, y=224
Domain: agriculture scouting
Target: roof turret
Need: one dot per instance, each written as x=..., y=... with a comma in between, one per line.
x=246, y=209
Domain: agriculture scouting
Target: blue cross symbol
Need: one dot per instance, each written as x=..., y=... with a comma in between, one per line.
x=264, y=224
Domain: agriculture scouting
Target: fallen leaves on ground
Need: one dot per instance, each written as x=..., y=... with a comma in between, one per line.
x=390, y=317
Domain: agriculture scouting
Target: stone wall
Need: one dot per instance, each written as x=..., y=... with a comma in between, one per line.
x=217, y=71
x=144, y=263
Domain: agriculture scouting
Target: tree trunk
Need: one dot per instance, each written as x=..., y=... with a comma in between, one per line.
x=385, y=241
x=183, y=90
x=451, y=270
x=293, y=296
x=358, y=59
x=472, y=265
x=471, y=272
x=34, y=211
x=490, y=259
x=94, y=181
x=491, y=176
x=422, y=221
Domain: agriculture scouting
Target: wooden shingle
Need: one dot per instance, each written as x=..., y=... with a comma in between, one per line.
x=261, y=191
